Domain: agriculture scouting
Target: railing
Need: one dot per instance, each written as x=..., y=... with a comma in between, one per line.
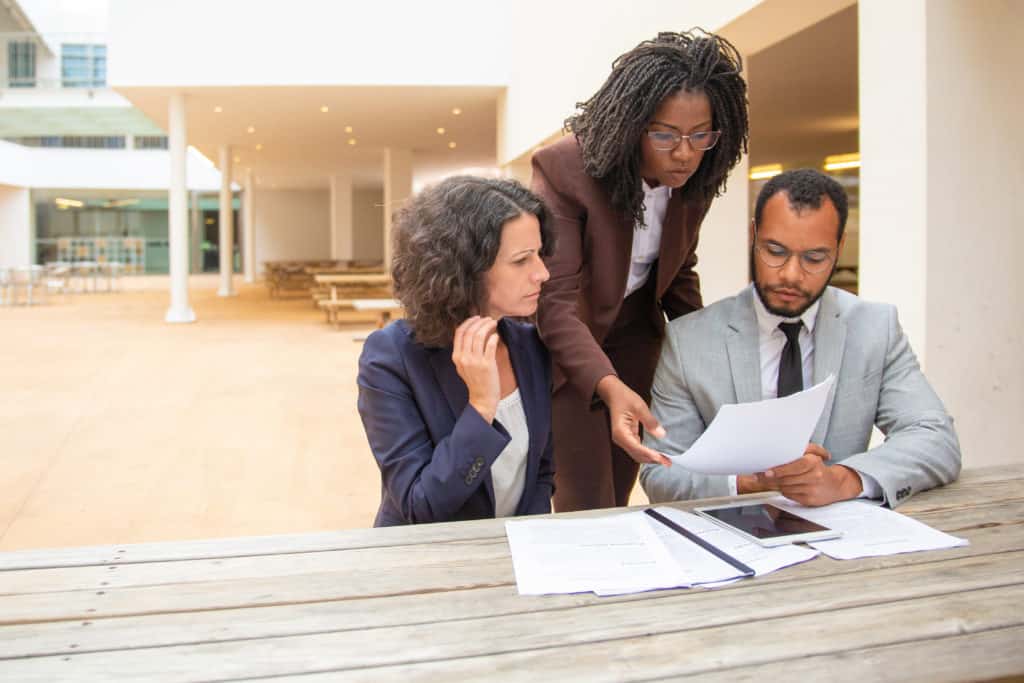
x=128, y=251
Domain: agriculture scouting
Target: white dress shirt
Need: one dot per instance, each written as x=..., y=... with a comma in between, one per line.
x=771, y=341
x=647, y=237
x=508, y=473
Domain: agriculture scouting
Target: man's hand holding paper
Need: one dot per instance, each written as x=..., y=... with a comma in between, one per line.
x=807, y=480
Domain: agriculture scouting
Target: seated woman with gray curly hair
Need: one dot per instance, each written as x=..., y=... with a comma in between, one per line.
x=456, y=398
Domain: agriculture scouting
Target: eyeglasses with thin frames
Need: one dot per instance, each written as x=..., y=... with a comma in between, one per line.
x=812, y=261
x=666, y=141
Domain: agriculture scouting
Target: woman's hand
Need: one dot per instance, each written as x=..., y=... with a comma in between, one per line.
x=627, y=412
x=474, y=352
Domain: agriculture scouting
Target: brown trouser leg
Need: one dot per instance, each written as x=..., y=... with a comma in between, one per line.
x=590, y=471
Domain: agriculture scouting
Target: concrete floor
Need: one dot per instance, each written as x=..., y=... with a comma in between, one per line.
x=118, y=428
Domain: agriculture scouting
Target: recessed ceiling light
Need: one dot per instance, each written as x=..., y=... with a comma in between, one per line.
x=456, y=111
x=237, y=159
x=218, y=109
x=348, y=129
x=440, y=131
x=250, y=129
x=351, y=141
x=259, y=147
x=324, y=109
x=451, y=145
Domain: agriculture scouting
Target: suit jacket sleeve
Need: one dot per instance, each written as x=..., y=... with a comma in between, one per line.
x=673, y=405
x=427, y=482
x=572, y=345
x=921, y=449
x=540, y=503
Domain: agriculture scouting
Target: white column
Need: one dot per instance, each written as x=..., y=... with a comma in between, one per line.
x=894, y=161
x=940, y=219
x=177, y=213
x=341, y=216
x=196, y=235
x=723, y=252
x=249, y=228
x=397, y=188
x=226, y=248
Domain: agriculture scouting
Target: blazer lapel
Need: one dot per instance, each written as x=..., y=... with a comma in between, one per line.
x=452, y=386
x=829, y=340
x=741, y=343
x=671, y=240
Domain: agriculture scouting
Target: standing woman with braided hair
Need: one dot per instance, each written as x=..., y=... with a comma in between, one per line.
x=627, y=193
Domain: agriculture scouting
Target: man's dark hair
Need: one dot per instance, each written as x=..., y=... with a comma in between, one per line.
x=804, y=187
x=445, y=240
x=610, y=124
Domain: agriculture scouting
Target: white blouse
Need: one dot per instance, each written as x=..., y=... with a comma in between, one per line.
x=508, y=473
x=647, y=237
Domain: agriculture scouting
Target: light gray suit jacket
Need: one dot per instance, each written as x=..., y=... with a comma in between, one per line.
x=711, y=357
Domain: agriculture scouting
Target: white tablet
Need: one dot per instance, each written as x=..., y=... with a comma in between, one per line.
x=766, y=524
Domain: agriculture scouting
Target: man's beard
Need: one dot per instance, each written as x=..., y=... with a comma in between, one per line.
x=812, y=298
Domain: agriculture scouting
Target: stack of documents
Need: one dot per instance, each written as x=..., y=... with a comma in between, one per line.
x=632, y=552
x=870, y=530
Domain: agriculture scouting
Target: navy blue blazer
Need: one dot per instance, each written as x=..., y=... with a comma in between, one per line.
x=434, y=450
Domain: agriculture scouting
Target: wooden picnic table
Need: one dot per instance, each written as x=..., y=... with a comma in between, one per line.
x=438, y=602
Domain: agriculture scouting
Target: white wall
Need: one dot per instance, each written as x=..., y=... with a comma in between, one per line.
x=940, y=215
x=15, y=230
x=291, y=224
x=975, y=292
x=564, y=50
x=367, y=223
x=308, y=42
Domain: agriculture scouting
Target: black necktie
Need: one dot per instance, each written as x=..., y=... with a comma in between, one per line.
x=791, y=366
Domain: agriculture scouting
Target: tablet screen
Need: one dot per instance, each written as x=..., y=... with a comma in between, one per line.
x=762, y=520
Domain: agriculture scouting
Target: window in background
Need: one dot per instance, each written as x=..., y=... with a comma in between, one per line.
x=72, y=141
x=150, y=142
x=83, y=65
x=21, y=64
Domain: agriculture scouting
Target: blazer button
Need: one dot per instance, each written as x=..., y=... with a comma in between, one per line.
x=468, y=480
x=478, y=463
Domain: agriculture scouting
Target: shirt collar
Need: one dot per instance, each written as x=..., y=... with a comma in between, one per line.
x=648, y=190
x=768, y=322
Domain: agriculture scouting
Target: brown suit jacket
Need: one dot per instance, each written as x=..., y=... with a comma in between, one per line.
x=591, y=262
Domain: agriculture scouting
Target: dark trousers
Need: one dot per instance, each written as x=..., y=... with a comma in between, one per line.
x=590, y=471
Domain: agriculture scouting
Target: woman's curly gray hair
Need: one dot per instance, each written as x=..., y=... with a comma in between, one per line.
x=445, y=240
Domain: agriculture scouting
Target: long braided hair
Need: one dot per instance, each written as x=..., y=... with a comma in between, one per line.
x=610, y=124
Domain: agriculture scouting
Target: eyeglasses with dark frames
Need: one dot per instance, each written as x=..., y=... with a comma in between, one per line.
x=666, y=141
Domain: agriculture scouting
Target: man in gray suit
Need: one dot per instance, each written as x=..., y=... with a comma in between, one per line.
x=786, y=332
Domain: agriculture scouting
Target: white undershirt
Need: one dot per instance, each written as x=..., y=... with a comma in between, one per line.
x=771, y=341
x=508, y=473
x=647, y=237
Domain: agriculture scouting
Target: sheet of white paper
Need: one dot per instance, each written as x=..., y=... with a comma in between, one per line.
x=870, y=530
x=745, y=438
x=762, y=560
x=617, y=553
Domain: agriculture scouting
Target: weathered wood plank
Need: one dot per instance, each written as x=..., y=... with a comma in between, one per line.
x=254, y=567
x=372, y=538
x=635, y=643
x=949, y=659
x=684, y=609
x=124, y=574
x=993, y=529
x=946, y=660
